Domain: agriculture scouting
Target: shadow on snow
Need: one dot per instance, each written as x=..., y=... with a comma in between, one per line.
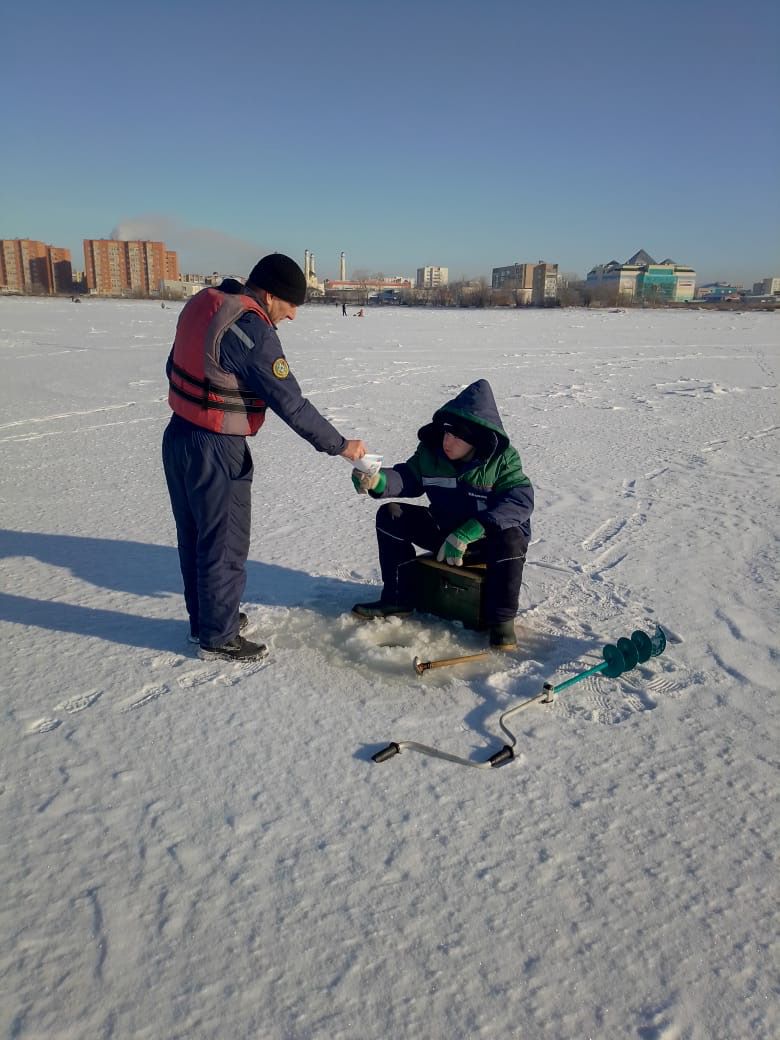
x=141, y=569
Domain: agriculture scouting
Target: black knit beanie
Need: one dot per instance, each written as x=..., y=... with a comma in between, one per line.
x=483, y=441
x=461, y=428
x=279, y=275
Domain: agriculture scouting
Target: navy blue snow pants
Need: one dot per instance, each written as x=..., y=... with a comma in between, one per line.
x=209, y=479
x=400, y=526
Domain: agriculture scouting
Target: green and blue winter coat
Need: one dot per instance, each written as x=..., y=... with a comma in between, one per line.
x=491, y=487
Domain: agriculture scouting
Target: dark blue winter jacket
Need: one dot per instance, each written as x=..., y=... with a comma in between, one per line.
x=491, y=487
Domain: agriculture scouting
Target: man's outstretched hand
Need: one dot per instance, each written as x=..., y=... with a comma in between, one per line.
x=354, y=450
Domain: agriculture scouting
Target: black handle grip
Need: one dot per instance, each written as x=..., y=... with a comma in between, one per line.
x=385, y=753
x=506, y=754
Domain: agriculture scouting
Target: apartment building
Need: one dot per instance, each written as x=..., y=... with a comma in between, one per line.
x=27, y=266
x=527, y=285
x=132, y=268
x=545, y=284
x=432, y=277
x=767, y=287
x=517, y=278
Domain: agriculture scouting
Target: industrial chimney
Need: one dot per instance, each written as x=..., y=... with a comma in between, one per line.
x=342, y=267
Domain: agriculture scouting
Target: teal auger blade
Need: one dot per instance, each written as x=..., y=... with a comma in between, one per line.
x=658, y=641
x=630, y=652
x=619, y=658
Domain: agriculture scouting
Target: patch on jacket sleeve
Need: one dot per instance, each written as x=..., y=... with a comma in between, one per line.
x=280, y=368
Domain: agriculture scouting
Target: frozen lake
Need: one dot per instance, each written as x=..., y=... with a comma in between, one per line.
x=204, y=850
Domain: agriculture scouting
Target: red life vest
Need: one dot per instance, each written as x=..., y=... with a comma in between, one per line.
x=201, y=391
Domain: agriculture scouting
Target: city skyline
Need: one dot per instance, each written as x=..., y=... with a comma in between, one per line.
x=412, y=137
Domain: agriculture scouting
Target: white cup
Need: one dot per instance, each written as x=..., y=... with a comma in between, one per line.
x=369, y=464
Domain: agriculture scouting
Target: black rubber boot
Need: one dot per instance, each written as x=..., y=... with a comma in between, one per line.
x=503, y=636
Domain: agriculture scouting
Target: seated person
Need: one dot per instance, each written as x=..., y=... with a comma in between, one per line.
x=480, y=509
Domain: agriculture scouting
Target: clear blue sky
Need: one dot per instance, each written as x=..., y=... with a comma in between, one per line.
x=405, y=133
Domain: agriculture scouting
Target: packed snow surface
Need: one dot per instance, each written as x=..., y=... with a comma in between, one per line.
x=206, y=850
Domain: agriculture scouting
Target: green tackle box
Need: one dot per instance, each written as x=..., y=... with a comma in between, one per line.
x=454, y=593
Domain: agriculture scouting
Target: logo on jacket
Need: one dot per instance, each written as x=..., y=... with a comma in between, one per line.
x=280, y=368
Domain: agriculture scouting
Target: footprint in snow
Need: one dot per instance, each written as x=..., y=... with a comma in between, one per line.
x=73, y=705
x=148, y=694
x=192, y=679
x=44, y=726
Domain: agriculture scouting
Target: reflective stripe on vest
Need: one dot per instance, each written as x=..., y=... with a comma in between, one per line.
x=201, y=391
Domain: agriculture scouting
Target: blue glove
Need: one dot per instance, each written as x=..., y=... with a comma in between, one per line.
x=458, y=541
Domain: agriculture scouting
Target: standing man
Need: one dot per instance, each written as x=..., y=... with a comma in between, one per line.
x=226, y=368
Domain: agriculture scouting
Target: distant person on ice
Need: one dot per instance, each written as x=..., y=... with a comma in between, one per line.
x=225, y=369
x=480, y=509
x=343, y=310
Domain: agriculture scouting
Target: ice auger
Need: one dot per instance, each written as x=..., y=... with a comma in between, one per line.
x=618, y=658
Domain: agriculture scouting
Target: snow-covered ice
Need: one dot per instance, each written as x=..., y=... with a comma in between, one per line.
x=203, y=850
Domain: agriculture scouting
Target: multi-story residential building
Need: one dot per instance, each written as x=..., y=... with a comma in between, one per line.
x=642, y=278
x=531, y=283
x=28, y=266
x=767, y=287
x=115, y=268
x=545, y=284
x=432, y=277
x=518, y=278
x=60, y=270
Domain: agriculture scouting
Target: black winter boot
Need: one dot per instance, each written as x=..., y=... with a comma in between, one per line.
x=238, y=649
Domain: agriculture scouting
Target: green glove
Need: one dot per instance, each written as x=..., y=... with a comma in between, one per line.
x=364, y=482
x=458, y=541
